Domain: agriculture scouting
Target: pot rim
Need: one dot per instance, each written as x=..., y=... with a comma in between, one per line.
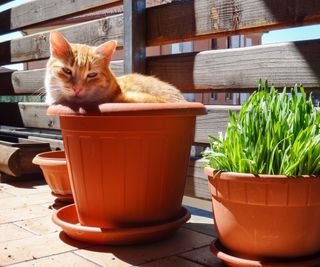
x=132, y=109
x=46, y=158
x=242, y=176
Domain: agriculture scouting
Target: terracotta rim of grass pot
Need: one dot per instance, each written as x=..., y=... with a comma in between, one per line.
x=266, y=216
x=54, y=167
x=128, y=162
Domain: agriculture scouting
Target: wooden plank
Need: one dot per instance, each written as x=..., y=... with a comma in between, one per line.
x=179, y=21
x=36, y=46
x=215, y=121
x=232, y=70
x=190, y=19
x=54, y=143
x=35, y=115
x=32, y=81
x=283, y=64
x=22, y=132
x=197, y=181
x=134, y=36
x=28, y=82
x=38, y=11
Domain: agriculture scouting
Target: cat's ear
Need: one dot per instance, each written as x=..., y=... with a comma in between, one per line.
x=59, y=46
x=107, y=49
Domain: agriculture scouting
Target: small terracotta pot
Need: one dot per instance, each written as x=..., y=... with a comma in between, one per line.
x=54, y=167
x=266, y=215
x=128, y=162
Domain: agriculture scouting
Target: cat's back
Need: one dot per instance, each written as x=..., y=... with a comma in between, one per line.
x=149, y=85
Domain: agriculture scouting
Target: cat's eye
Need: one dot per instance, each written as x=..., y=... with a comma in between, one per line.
x=92, y=75
x=67, y=71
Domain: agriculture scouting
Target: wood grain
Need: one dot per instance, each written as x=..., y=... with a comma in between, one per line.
x=179, y=21
x=213, y=123
x=197, y=181
x=38, y=11
x=36, y=46
x=190, y=19
x=236, y=70
x=239, y=69
x=34, y=115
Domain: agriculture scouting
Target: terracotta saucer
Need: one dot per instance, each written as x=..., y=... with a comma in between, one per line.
x=234, y=261
x=67, y=219
x=64, y=198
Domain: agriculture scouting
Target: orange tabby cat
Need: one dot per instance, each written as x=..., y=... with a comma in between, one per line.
x=80, y=74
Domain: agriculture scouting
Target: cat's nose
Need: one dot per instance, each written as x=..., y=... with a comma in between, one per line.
x=76, y=89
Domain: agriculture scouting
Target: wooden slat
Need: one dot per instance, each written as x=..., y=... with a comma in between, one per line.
x=181, y=20
x=197, y=181
x=36, y=46
x=239, y=69
x=134, y=36
x=34, y=115
x=32, y=81
x=231, y=69
x=192, y=19
x=38, y=11
x=215, y=121
x=54, y=143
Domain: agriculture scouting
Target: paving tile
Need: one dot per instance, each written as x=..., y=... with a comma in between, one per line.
x=23, y=213
x=39, y=226
x=203, y=256
x=36, y=247
x=9, y=232
x=26, y=187
x=62, y=260
x=184, y=240
x=4, y=194
x=172, y=261
x=201, y=224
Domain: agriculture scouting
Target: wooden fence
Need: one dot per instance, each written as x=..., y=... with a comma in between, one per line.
x=223, y=70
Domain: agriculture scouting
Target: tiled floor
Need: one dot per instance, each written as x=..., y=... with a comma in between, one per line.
x=29, y=238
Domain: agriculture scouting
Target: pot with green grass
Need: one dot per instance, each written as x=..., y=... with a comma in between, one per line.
x=264, y=177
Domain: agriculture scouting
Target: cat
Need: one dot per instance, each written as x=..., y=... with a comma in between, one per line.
x=78, y=74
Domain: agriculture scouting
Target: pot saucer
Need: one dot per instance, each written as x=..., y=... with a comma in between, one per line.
x=63, y=198
x=67, y=219
x=234, y=261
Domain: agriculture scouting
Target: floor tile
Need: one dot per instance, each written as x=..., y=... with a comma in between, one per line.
x=23, y=213
x=201, y=224
x=184, y=240
x=203, y=256
x=35, y=247
x=39, y=226
x=9, y=231
x=170, y=262
x=62, y=260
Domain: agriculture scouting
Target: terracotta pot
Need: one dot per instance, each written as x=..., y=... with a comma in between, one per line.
x=128, y=162
x=54, y=167
x=266, y=215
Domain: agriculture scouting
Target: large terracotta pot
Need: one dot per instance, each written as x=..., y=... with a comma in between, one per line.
x=128, y=162
x=266, y=215
x=54, y=167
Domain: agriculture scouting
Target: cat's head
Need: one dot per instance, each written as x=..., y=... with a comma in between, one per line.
x=78, y=74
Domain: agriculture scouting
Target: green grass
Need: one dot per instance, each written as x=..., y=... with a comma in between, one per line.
x=274, y=133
